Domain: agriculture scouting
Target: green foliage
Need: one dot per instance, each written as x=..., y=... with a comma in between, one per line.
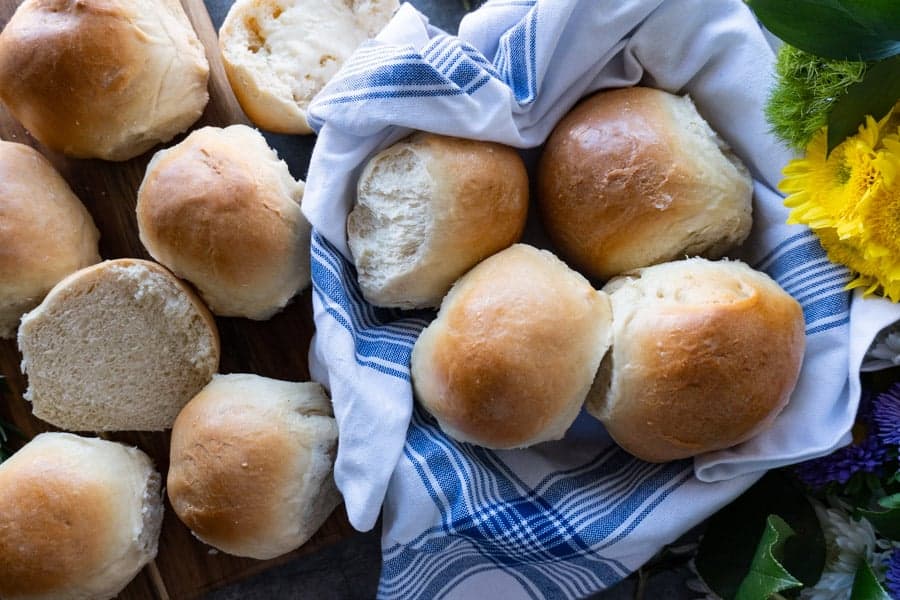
x=767, y=574
x=729, y=547
x=874, y=95
x=866, y=586
x=807, y=88
x=836, y=29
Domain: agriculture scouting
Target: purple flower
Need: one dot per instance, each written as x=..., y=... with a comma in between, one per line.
x=865, y=454
x=886, y=415
x=892, y=577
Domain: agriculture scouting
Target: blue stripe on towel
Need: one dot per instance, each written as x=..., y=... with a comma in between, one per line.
x=546, y=537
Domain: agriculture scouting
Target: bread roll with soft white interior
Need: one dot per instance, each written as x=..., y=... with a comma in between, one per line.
x=634, y=177
x=278, y=54
x=251, y=464
x=102, y=78
x=119, y=346
x=45, y=232
x=222, y=211
x=79, y=518
x=513, y=351
x=428, y=209
x=704, y=356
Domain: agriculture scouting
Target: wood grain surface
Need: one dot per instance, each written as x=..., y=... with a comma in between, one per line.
x=184, y=568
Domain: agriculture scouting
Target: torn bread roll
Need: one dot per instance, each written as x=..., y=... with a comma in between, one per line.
x=46, y=232
x=513, y=352
x=102, y=78
x=251, y=464
x=119, y=346
x=634, y=177
x=428, y=209
x=704, y=356
x=278, y=54
x=221, y=210
x=79, y=518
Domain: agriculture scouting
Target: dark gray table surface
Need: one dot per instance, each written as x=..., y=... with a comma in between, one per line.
x=350, y=569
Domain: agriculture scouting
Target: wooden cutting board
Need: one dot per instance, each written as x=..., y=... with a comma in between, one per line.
x=184, y=568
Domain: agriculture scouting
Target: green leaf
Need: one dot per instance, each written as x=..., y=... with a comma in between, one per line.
x=887, y=523
x=767, y=575
x=892, y=501
x=874, y=95
x=844, y=29
x=866, y=586
x=732, y=535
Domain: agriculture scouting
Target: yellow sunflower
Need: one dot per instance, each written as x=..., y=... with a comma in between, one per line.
x=851, y=199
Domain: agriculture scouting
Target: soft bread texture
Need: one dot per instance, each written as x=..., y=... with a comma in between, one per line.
x=251, y=464
x=634, y=177
x=704, y=356
x=121, y=345
x=102, y=78
x=222, y=211
x=79, y=518
x=45, y=232
x=428, y=209
x=278, y=54
x=513, y=351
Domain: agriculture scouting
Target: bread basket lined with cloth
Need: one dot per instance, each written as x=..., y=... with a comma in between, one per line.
x=561, y=519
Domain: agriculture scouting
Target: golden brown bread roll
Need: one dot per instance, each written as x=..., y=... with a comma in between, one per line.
x=222, y=211
x=102, y=78
x=428, y=209
x=251, y=464
x=634, y=177
x=704, y=356
x=45, y=232
x=513, y=352
x=79, y=518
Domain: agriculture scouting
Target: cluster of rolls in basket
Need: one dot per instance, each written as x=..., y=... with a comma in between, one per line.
x=676, y=358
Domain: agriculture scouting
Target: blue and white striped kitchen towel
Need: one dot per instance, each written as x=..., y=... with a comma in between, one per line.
x=566, y=518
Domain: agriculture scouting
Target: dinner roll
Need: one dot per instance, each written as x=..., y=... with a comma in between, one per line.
x=278, y=54
x=428, y=209
x=704, y=356
x=251, y=464
x=121, y=345
x=513, y=351
x=222, y=211
x=102, y=78
x=634, y=177
x=45, y=232
x=79, y=518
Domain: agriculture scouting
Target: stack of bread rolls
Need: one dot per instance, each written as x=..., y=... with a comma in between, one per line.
x=637, y=192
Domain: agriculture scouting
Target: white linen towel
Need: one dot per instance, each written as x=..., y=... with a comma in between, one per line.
x=567, y=518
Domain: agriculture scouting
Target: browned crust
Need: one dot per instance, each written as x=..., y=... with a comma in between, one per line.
x=205, y=209
x=514, y=347
x=54, y=527
x=227, y=472
x=692, y=379
x=485, y=185
x=613, y=183
x=72, y=71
